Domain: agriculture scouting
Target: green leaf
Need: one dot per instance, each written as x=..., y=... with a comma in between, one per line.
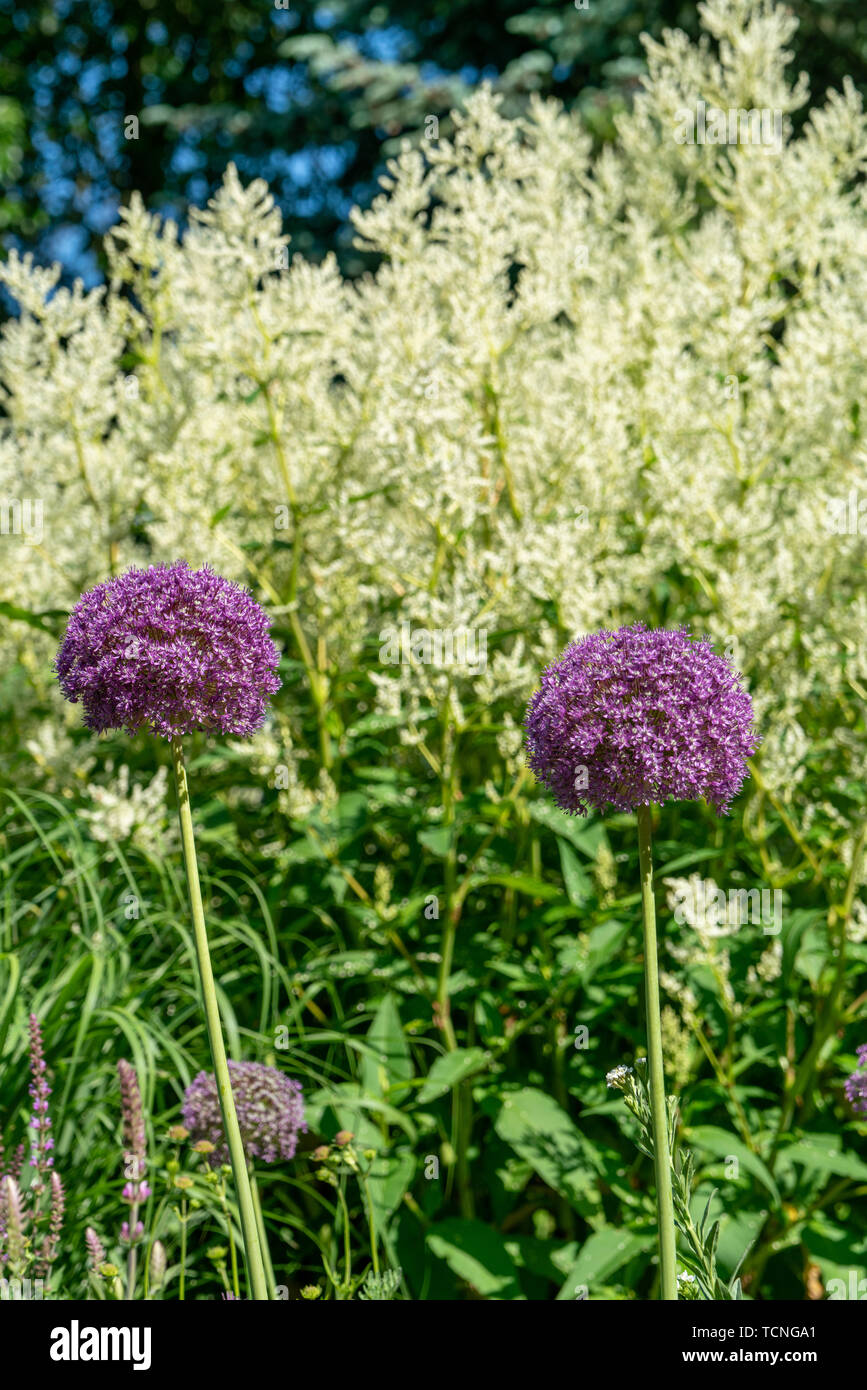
x=795, y=923
x=477, y=1254
x=37, y=620
x=437, y=839
x=601, y=1254
x=389, y=1179
x=722, y=1144
x=393, y=1063
x=535, y=1126
x=821, y=1153
x=737, y=1237
x=604, y=943
x=522, y=883
x=448, y=1070
x=586, y=835
x=579, y=885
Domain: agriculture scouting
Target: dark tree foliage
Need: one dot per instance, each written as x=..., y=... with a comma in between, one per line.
x=309, y=97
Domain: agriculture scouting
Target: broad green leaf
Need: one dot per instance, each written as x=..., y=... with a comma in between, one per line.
x=579, y=885
x=393, y=1062
x=795, y=923
x=535, y=1126
x=523, y=883
x=738, y=1231
x=477, y=1254
x=604, y=943
x=601, y=1254
x=437, y=838
x=821, y=1153
x=389, y=1179
x=448, y=1070
x=723, y=1144
x=353, y=1110
x=684, y=861
x=548, y=1259
x=586, y=835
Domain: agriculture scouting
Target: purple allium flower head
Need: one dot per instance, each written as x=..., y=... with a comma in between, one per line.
x=636, y=716
x=856, y=1084
x=169, y=649
x=269, y=1105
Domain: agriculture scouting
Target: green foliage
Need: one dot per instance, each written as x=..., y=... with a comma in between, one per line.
x=550, y=1202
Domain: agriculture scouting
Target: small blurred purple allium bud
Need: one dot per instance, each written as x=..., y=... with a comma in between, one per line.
x=643, y=716
x=169, y=649
x=269, y=1105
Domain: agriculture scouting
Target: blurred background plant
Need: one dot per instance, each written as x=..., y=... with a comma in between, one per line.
x=585, y=386
x=311, y=97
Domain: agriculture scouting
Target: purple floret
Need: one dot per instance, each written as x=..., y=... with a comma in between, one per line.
x=637, y=716
x=269, y=1105
x=169, y=649
x=856, y=1084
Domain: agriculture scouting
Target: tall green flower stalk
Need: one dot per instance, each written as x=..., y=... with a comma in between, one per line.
x=626, y=720
x=658, y=1110
x=243, y=1186
x=173, y=651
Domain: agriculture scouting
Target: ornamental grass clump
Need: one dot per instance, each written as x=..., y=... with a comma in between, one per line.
x=626, y=720
x=174, y=651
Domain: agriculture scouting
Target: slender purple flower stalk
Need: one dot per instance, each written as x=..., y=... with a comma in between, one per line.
x=42, y=1159
x=136, y=1190
x=856, y=1084
x=31, y=1219
x=95, y=1249
x=169, y=649
x=48, y=1249
x=269, y=1105
x=134, y=1134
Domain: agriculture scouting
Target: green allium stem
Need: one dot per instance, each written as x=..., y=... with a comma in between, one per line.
x=661, y=1157
x=263, y=1235
x=249, y=1229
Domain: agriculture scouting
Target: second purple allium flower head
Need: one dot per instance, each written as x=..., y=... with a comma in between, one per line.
x=269, y=1105
x=636, y=716
x=169, y=649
